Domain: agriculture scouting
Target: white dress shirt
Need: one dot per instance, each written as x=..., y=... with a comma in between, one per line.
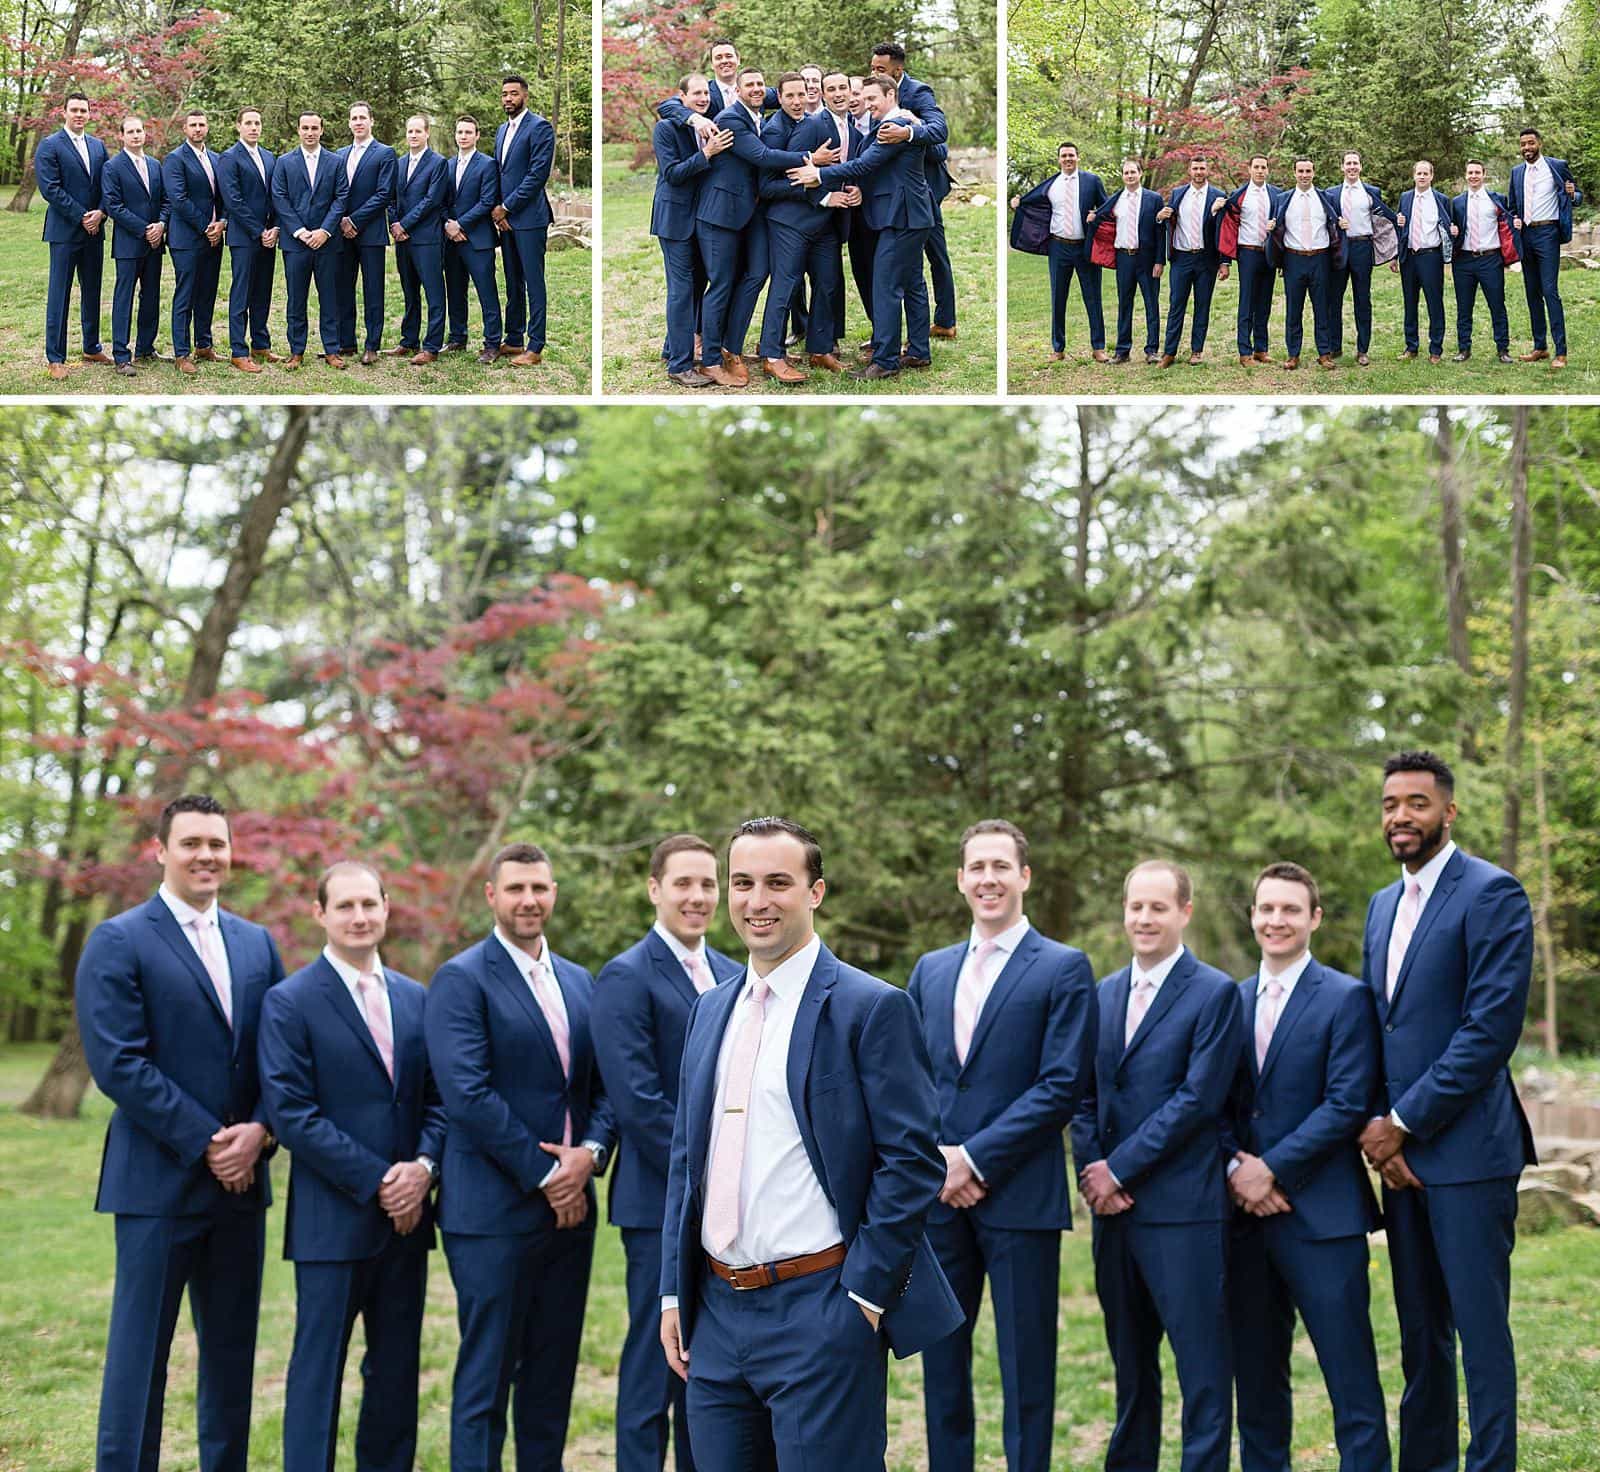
x=1539, y=190
x=1482, y=232
x=186, y=914
x=462, y=160
x=141, y=167
x=1424, y=223
x=1305, y=222
x=1066, y=214
x=352, y=160
x=350, y=976
x=80, y=146
x=1285, y=978
x=1355, y=204
x=1192, y=220
x=754, y=116
x=683, y=952
x=511, y=132
x=412, y=160
x=1255, y=209
x=527, y=962
x=1427, y=880
x=312, y=156
x=1005, y=944
x=255, y=157
x=841, y=124
x=1127, y=213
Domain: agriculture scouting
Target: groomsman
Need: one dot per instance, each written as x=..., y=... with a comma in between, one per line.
x=1127, y=224
x=1244, y=231
x=133, y=198
x=369, y=170
x=169, y=996
x=469, y=236
x=1303, y=1203
x=524, y=150
x=1191, y=221
x=1543, y=193
x=682, y=160
x=1310, y=246
x=345, y=1080
x=1367, y=233
x=1448, y=953
x=309, y=188
x=423, y=190
x=1145, y=1140
x=68, y=166
x=510, y=1043
x=195, y=232
x=244, y=173
x=1009, y=1020
x=1425, y=234
x=1057, y=209
x=1483, y=244
x=641, y=1012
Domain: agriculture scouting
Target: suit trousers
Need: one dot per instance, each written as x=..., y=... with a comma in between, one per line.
x=421, y=271
x=649, y=1395
x=1541, y=280
x=863, y=247
x=794, y=255
x=757, y=267
x=144, y=273
x=897, y=283
x=219, y=1259
x=839, y=295
x=1356, y=273
x=523, y=254
x=1166, y=1278
x=722, y=254
x=250, y=299
x=941, y=275
x=680, y=259
x=1133, y=277
x=1256, y=281
x=792, y=1375
x=519, y=1305
x=371, y=261
x=1023, y=1268
x=1450, y=1254
x=1069, y=258
x=1306, y=276
x=196, y=274
x=299, y=269
x=84, y=259
x=461, y=262
x=1188, y=271
x=1422, y=273
x=1273, y=1275
x=387, y=1293
x=1486, y=273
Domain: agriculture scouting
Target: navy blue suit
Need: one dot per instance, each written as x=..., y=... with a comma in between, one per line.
x=345, y=1122
x=1308, y=274
x=471, y=207
x=802, y=238
x=70, y=191
x=524, y=170
x=1448, y=1033
x=917, y=97
x=1361, y=254
x=1030, y=231
x=796, y=1365
x=862, y=239
x=419, y=210
x=369, y=199
x=303, y=204
x=1422, y=273
x=133, y=198
x=641, y=1012
x=680, y=166
x=160, y=1048
x=196, y=263
x=1483, y=269
x=520, y=1282
x=1152, y=1113
x=1191, y=271
x=1136, y=271
x=1539, y=245
x=1302, y=1111
x=1009, y=1104
x=247, y=197
x=1257, y=274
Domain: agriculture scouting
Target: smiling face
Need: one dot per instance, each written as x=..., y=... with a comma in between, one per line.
x=725, y=62
x=792, y=98
x=993, y=882
x=1282, y=918
x=696, y=94
x=753, y=90
x=880, y=98
x=857, y=99
x=685, y=896
x=1474, y=176
x=1352, y=168
x=1529, y=146
x=1199, y=172
x=836, y=91
x=1417, y=816
x=770, y=901
x=1152, y=915
x=1304, y=171
x=1259, y=169
x=196, y=857
x=355, y=917
x=813, y=77
x=522, y=897
x=1067, y=159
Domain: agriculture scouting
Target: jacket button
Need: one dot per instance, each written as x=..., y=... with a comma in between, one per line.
x=962, y=1088
x=1388, y=1027
x=1256, y=1114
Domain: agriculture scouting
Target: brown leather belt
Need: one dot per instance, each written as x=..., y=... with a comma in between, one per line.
x=1127, y=250
x=1529, y=224
x=765, y=1274
x=1243, y=246
x=1069, y=239
x=1292, y=251
x=1492, y=251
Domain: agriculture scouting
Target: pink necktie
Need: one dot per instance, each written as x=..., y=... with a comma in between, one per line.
x=1405, y=921
x=1416, y=224
x=727, y=1160
x=544, y=983
x=1267, y=1019
x=377, y=1023
x=699, y=973
x=1138, y=1004
x=969, y=997
x=205, y=932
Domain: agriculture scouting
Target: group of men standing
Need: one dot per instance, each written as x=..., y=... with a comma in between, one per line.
x=333, y=215
x=1325, y=242
x=814, y=1167
x=768, y=186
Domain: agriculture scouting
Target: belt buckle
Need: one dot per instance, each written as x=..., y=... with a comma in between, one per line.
x=737, y=1280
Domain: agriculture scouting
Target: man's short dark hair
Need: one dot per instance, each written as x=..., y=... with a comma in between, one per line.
x=1310, y=161
x=339, y=867
x=687, y=77
x=785, y=78
x=308, y=113
x=1264, y=159
x=517, y=853
x=132, y=117
x=1180, y=877
x=810, y=66
x=834, y=71
x=1354, y=153
x=521, y=81
x=75, y=97
x=1478, y=161
x=194, y=112
x=243, y=110
x=1422, y=761
x=190, y=802
x=722, y=41
x=466, y=117
x=364, y=106
x=1525, y=133
x=1072, y=146
x=771, y=827
x=884, y=86
x=995, y=825
x=1292, y=874
x=677, y=843
x=745, y=71
x=893, y=50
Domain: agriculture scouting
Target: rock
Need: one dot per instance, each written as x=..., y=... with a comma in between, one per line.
x=1542, y=1208
x=1565, y=1175
x=979, y=201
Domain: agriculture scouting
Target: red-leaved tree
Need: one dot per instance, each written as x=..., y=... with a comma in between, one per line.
x=644, y=53
x=1226, y=129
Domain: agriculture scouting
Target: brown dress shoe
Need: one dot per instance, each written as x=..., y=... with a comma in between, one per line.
x=508, y=351
x=186, y=365
x=1291, y=364
x=244, y=365
x=1363, y=360
x=207, y=355
x=1058, y=357
x=1262, y=357
x=1559, y=361
x=691, y=378
x=1435, y=359
x=1405, y=356
x=1538, y=355
x=1100, y=355
x=782, y=369
x=874, y=371
x=907, y=361
x=265, y=355
x=1168, y=359
x=1325, y=360
x=422, y=359
x=400, y=352
x=529, y=359
x=55, y=370
x=293, y=361
x=100, y=357
x=1195, y=359
x=127, y=370
x=1245, y=360
x=938, y=331
x=489, y=356
x=455, y=347
x=333, y=360
x=721, y=377
x=734, y=367
x=827, y=361
x=368, y=358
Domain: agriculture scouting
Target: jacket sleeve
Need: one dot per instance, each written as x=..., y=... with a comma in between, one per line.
x=435, y=1118
x=381, y=198
x=669, y=165
x=541, y=155
x=677, y=1169
x=341, y=196
x=675, y=111
x=601, y=1125
x=275, y=971
x=175, y=179
x=112, y=202
x=1084, y=1131
x=873, y=157
x=229, y=183
x=483, y=206
x=47, y=175
x=753, y=151
x=624, y=1045
x=931, y=125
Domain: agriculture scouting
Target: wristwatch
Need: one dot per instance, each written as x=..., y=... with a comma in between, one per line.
x=433, y=1168
x=596, y=1149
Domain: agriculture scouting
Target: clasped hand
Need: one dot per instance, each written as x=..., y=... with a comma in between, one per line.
x=567, y=1189
x=402, y=1191
x=961, y=1187
x=232, y=1154
x=1100, y=1190
x=1255, y=1188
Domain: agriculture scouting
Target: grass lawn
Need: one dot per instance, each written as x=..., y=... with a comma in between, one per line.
x=24, y=273
x=1030, y=371
x=55, y=1285
x=635, y=295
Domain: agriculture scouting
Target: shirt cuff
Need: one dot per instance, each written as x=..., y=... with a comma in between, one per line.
x=972, y=1164
x=863, y=1302
x=1233, y=1165
x=1396, y=1121
x=1114, y=1181
x=668, y=1300
x=545, y=1180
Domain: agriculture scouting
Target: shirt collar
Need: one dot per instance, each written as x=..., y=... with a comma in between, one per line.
x=1157, y=973
x=525, y=960
x=1427, y=877
x=676, y=946
x=1006, y=942
x=311, y=152
x=183, y=912
x=199, y=152
x=1285, y=978
x=348, y=973
x=789, y=979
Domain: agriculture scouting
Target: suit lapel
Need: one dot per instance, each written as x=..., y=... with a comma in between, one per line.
x=945, y=981
x=801, y=1042
x=1383, y=927
x=1249, y=999
x=405, y=1014
x=344, y=1004
x=1016, y=967
x=1436, y=902
x=506, y=972
x=1168, y=993
x=670, y=968
x=171, y=932
x=231, y=934
x=1114, y=1021
x=716, y=1011
x=1299, y=999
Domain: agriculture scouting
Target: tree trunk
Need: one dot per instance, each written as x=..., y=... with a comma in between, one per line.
x=1547, y=944
x=1517, y=693
x=69, y=48
x=1457, y=602
x=59, y=1094
x=561, y=49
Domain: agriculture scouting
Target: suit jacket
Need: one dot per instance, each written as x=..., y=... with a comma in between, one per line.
x=500, y=1076
x=800, y=209
x=640, y=1015
x=246, y=196
x=680, y=166
x=1209, y=229
x=731, y=188
x=894, y=183
x=1564, y=202
x=863, y=1097
x=472, y=205
x=1228, y=220
x=1030, y=1058
x=1454, y=1019
x=370, y=195
x=69, y=191
x=1154, y=1109
x=1152, y=238
x=1403, y=232
x=525, y=170
x=1030, y=222
x=674, y=110
x=160, y=1048
x=133, y=205
x=1279, y=250
x=331, y=1102
x=1385, y=244
x=300, y=204
x=1303, y=1110
x=420, y=204
x=1507, y=240
x=194, y=203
